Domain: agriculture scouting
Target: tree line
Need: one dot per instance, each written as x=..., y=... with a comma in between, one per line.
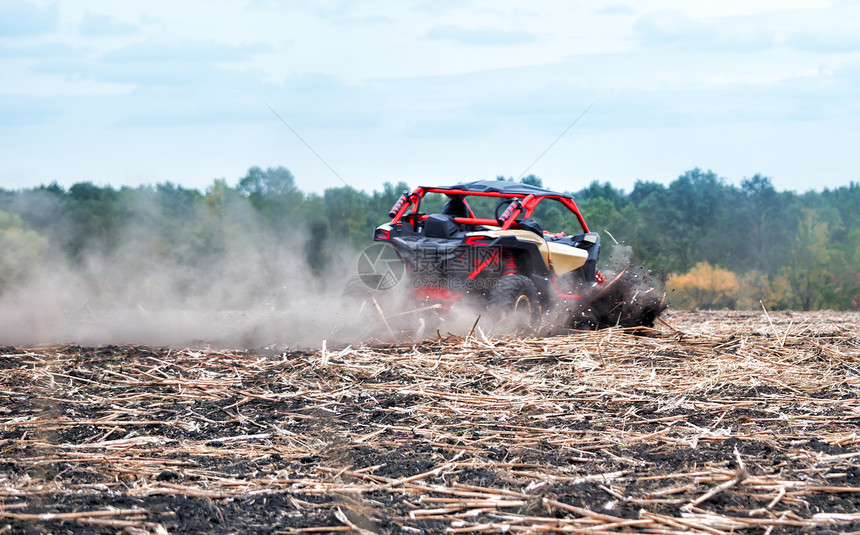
x=711, y=243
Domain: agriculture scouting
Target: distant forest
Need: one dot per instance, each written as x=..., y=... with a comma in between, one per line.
x=711, y=244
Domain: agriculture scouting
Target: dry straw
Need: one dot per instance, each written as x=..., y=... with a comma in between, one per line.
x=714, y=423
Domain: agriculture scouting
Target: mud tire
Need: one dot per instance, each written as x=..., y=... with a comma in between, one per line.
x=514, y=304
x=361, y=318
x=355, y=288
x=356, y=309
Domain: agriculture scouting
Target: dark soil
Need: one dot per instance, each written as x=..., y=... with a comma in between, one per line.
x=591, y=430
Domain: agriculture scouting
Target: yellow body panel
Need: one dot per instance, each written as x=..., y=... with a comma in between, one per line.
x=564, y=258
x=560, y=258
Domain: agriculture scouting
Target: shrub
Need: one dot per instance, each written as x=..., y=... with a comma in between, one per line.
x=705, y=286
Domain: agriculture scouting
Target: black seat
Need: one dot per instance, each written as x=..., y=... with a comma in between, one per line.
x=532, y=225
x=440, y=226
x=456, y=207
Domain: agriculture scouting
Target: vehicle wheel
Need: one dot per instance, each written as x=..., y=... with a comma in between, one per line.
x=354, y=295
x=514, y=302
x=361, y=319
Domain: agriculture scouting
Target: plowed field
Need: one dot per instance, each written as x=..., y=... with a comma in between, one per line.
x=711, y=423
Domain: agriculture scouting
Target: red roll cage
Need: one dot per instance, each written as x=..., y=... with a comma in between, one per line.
x=527, y=203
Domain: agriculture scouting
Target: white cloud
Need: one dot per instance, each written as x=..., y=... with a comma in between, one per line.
x=390, y=90
x=19, y=18
x=23, y=77
x=104, y=25
x=483, y=36
x=835, y=39
x=616, y=9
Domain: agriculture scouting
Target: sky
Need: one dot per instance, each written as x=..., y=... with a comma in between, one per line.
x=429, y=92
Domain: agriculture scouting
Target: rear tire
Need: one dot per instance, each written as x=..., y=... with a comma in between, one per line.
x=514, y=303
x=356, y=304
x=363, y=320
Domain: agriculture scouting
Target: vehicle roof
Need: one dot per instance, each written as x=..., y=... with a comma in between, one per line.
x=503, y=186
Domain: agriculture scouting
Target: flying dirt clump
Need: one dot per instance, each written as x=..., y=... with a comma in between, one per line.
x=629, y=299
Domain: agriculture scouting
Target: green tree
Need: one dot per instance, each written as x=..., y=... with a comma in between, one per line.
x=754, y=214
x=795, y=250
x=347, y=213
x=21, y=251
x=602, y=217
x=228, y=218
x=274, y=196
x=316, y=250
x=653, y=237
x=808, y=283
x=97, y=219
x=380, y=202
x=532, y=180
x=605, y=191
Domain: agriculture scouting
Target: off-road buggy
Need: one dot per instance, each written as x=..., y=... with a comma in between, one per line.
x=487, y=245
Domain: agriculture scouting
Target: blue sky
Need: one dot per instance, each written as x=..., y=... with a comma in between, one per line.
x=142, y=92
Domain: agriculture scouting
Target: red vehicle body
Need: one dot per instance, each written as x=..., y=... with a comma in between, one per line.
x=507, y=262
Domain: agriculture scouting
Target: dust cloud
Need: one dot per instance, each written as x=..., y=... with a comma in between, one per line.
x=255, y=290
x=248, y=294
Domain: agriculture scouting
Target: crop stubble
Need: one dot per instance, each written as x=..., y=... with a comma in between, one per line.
x=713, y=423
